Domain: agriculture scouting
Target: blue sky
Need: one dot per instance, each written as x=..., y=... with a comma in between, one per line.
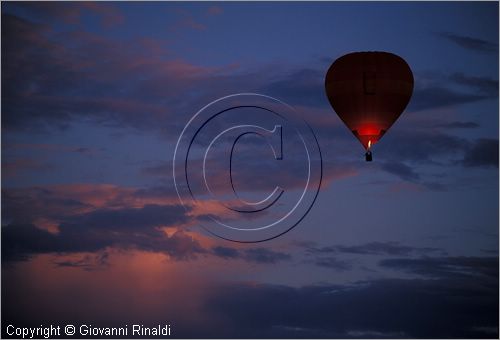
x=95, y=95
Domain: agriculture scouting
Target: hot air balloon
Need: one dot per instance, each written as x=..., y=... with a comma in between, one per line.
x=369, y=91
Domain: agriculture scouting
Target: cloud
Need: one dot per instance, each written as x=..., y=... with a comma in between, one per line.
x=255, y=255
x=110, y=15
x=405, y=151
x=215, y=10
x=123, y=228
x=401, y=170
x=139, y=220
x=485, y=85
x=483, y=153
x=458, y=125
x=187, y=20
x=19, y=166
x=72, y=13
x=254, y=169
x=226, y=252
x=457, y=298
x=60, y=202
x=425, y=98
x=470, y=43
x=390, y=248
x=264, y=255
x=447, y=267
x=21, y=241
x=68, y=76
x=299, y=87
x=332, y=263
x=42, y=69
x=409, y=174
x=435, y=90
x=89, y=218
x=88, y=262
x=421, y=146
x=457, y=308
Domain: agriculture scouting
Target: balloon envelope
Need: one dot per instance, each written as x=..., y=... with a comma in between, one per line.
x=369, y=91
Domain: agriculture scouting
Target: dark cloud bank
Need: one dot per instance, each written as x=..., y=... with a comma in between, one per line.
x=445, y=297
x=453, y=297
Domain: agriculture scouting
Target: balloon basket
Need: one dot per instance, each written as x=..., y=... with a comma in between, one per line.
x=368, y=156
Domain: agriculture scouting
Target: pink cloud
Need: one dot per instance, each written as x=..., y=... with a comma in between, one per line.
x=51, y=204
x=18, y=166
x=134, y=288
x=215, y=10
x=186, y=20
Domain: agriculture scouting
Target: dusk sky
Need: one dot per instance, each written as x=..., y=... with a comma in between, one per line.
x=96, y=94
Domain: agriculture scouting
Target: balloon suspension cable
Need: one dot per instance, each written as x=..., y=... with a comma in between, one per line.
x=368, y=154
